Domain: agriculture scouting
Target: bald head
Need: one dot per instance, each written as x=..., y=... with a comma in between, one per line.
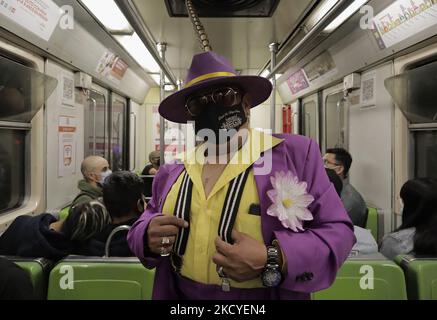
x=92, y=168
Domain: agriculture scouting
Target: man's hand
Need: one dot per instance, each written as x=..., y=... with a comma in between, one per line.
x=162, y=232
x=244, y=260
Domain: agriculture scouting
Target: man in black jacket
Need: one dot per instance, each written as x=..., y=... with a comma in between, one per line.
x=124, y=200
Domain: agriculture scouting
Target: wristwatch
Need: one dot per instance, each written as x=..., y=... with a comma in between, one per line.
x=271, y=276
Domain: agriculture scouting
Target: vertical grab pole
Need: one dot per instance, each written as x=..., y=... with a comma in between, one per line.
x=273, y=51
x=162, y=47
x=179, y=82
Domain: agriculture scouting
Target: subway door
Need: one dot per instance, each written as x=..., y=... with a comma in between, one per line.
x=371, y=141
x=310, y=117
x=335, y=118
x=96, y=124
x=137, y=138
x=117, y=133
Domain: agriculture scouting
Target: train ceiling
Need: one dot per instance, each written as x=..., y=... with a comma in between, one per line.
x=244, y=40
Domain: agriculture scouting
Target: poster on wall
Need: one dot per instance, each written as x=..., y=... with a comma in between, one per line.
x=67, y=82
x=37, y=16
x=298, y=82
x=111, y=67
x=67, y=128
x=402, y=20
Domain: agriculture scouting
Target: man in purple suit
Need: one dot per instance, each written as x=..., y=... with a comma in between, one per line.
x=246, y=215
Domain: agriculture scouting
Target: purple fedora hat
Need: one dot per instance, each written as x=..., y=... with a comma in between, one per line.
x=208, y=69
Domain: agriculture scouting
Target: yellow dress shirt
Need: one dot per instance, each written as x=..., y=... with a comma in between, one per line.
x=206, y=211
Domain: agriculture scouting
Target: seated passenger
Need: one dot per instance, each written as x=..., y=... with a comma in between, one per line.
x=418, y=232
x=366, y=243
x=43, y=236
x=123, y=198
x=14, y=282
x=95, y=170
x=155, y=161
x=340, y=161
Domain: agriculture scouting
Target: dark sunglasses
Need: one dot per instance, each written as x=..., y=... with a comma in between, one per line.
x=224, y=97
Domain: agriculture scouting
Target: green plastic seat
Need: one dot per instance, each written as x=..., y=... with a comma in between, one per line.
x=63, y=214
x=38, y=270
x=372, y=222
x=370, y=277
x=80, y=278
x=421, y=277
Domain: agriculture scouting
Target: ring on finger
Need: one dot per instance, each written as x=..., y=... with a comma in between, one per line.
x=165, y=240
x=221, y=272
x=164, y=252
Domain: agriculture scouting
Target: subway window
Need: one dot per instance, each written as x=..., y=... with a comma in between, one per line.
x=335, y=121
x=96, y=126
x=22, y=93
x=118, y=127
x=414, y=92
x=12, y=166
x=425, y=154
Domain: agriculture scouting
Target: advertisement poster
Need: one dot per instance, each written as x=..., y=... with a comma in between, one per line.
x=67, y=146
x=37, y=16
x=298, y=82
x=402, y=20
x=111, y=67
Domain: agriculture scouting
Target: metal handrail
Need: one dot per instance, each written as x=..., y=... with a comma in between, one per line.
x=111, y=235
x=135, y=139
x=317, y=28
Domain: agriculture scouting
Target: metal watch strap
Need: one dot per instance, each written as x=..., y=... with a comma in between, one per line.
x=272, y=256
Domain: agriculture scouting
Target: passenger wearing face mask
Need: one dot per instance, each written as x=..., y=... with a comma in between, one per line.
x=95, y=170
x=246, y=215
x=155, y=161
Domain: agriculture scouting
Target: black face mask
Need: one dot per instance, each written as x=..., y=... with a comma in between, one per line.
x=221, y=121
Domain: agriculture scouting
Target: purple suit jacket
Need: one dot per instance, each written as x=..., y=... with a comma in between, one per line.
x=313, y=257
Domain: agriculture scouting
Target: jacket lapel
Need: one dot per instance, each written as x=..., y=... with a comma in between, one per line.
x=263, y=183
x=174, y=171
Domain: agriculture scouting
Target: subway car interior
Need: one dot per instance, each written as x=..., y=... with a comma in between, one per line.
x=84, y=79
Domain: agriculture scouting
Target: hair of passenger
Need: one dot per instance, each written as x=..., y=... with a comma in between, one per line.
x=121, y=192
x=420, y=211
x=335, y=180
x=85, y=220
x=154, y=155
x=420, y=202
x=343, y=157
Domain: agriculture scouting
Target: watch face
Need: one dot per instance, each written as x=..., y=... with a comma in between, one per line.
x=272, y=278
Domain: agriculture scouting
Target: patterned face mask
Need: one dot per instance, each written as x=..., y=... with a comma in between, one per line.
x=221, y=121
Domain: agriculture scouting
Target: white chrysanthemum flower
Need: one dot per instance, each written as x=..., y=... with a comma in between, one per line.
x=290, y=201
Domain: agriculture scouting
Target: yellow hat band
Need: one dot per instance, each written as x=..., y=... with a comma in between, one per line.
x=209, y=76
